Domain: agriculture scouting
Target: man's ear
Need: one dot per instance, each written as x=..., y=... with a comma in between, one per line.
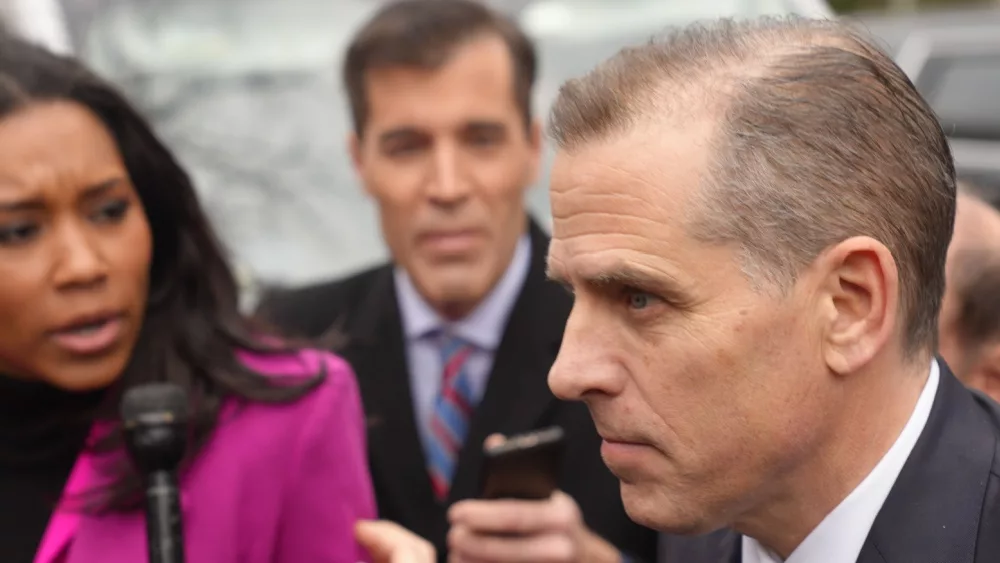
x=859, y=297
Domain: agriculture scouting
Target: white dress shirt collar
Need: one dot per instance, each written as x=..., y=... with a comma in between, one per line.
x=841, y=535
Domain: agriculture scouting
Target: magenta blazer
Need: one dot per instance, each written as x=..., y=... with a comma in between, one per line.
x=275, y=484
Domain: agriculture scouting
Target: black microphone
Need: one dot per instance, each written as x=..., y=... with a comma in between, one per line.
x=155, y=418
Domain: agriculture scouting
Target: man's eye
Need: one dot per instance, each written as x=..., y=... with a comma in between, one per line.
x=403, y=150
x=18, y=233
x=639, y=300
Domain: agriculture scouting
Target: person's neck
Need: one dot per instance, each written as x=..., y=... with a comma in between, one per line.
x=456, y=311
x=874, y=407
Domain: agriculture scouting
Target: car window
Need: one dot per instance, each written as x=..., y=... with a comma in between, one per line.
x=964, y=90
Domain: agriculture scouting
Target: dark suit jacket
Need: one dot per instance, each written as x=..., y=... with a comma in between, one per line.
x=517, y=398
x=944, y=507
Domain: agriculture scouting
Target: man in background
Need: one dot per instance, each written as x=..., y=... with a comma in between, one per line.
x=453, y=340
x=754, y=218
x=969, y=327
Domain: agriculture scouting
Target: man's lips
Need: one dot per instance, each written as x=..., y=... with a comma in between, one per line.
x=623, y=441
x=621, y=452
x=450, y=241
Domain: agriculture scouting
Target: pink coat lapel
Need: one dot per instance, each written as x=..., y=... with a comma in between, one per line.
x=111, y=533
x=64, y=523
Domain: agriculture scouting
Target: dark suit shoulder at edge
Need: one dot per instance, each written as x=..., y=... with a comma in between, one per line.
x=991, y=408
x=311, y=309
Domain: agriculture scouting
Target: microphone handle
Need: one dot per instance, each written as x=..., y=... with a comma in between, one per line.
x=164, y=532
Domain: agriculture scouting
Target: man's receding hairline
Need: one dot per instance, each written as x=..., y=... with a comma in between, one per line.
x=720, y=78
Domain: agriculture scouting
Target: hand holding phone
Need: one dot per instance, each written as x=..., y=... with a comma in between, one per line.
x=521, y=515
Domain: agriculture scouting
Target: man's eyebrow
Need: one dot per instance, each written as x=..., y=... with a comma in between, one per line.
x=625, y=276
x=666, y=287
x=398, y=133
x=485, y=126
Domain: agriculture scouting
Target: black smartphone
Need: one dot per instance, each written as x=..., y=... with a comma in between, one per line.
x=524, y=467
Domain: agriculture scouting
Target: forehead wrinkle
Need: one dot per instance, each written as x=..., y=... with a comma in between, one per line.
x=602, y=265
x=598, y=193
x=605, y=197
x=657, y=169
x=612, y=162
x=618, y=264
x=605, y=187
x=606, y=233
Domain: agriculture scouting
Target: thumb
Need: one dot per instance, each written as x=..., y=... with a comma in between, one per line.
x=386, y=542
x=494, y=441
x=378, y=537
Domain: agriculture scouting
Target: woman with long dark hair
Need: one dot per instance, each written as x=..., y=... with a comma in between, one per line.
x=110, y=277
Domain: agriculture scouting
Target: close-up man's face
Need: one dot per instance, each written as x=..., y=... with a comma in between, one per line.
x=447, y=156
x=695, y=378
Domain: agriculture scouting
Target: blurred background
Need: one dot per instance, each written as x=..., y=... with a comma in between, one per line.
x=247, y=93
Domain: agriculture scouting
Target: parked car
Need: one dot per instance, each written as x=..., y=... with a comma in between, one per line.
x=954, y=60
x=247, y=92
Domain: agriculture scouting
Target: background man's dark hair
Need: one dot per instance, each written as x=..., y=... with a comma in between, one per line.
x=424, y=34
x=819, y=137
x=977, y=289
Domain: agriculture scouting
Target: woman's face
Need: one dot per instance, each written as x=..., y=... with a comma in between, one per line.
x=75, y=249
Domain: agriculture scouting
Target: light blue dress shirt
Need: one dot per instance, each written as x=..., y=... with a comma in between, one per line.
x=483, y=328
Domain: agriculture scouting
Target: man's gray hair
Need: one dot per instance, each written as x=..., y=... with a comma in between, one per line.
x=820, y=137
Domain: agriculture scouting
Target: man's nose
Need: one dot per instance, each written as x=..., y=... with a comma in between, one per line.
x=584, y=365
x=80, y=261
x=450, y=184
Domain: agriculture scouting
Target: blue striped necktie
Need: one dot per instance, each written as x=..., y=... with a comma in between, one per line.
x=451, y=416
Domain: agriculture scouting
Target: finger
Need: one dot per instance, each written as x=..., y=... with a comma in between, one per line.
x=388, y=541
x=514, y=516
x=494, y=441
x=539, y=548
x=378, y=538
x=455, y=558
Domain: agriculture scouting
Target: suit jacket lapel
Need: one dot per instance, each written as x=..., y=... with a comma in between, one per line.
x=517, y=394
x=378, y=355
x=730, y=548
x=922, y=520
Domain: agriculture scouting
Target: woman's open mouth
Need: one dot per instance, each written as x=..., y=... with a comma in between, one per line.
x=90, y=337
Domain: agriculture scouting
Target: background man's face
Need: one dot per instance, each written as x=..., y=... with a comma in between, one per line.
x=447, y=156
x=701, y=387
